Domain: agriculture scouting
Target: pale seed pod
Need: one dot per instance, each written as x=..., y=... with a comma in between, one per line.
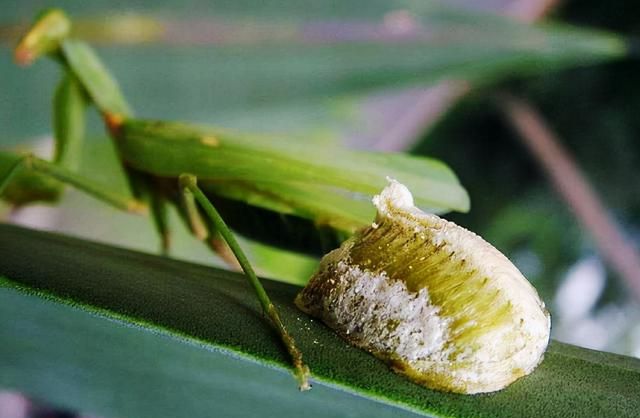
x=435, y=301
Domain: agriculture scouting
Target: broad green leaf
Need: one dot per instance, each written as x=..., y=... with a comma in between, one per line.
x=120, y=334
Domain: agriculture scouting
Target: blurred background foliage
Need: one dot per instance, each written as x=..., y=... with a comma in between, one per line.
x=594, y=111
x=174, y=73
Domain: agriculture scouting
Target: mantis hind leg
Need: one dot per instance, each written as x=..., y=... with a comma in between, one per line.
x=153, y=191
x=205, y=231
x=159, y=211
x=189, y=186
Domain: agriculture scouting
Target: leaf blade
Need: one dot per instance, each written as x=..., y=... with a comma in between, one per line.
x=132, y=288
x=343, y=55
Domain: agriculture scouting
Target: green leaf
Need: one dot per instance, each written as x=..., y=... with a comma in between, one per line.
x=292, y=56
x=278, y=65
x=119, y=333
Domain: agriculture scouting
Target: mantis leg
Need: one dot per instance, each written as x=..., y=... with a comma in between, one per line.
x=205, y=232
x=17, y=163
x=159, y=212
x=151, y=191
x=189, y=184
x=192, y=215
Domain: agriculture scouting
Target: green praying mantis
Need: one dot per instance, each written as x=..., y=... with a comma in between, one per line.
x=187, y=167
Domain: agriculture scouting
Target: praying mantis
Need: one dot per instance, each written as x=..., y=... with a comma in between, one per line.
x=186, y=166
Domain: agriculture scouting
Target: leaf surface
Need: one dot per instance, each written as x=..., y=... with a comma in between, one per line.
x=279, y=65
x=119, y=333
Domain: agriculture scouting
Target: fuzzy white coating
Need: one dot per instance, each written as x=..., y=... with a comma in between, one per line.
x=390, y=318
x=395, y=195
x=398, y=324
x=529, y=329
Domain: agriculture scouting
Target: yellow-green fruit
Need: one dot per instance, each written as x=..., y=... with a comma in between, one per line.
x=435, y=301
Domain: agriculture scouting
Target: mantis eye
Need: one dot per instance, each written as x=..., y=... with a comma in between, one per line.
x=430, y=298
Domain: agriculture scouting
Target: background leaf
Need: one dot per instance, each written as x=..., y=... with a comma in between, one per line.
x=280, y=65
x=120, y=333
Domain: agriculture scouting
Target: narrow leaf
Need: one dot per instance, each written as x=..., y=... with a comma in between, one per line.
x=259, y=55
x=274, y=65
x=119, y=333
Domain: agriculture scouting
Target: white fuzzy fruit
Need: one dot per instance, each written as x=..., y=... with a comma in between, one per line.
x=435, y=301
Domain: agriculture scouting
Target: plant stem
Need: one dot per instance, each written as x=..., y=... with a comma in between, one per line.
x=574, y=188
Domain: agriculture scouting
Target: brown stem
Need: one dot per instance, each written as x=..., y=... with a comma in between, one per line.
x=434, y=101
x=574, y=188
x=529, y=10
